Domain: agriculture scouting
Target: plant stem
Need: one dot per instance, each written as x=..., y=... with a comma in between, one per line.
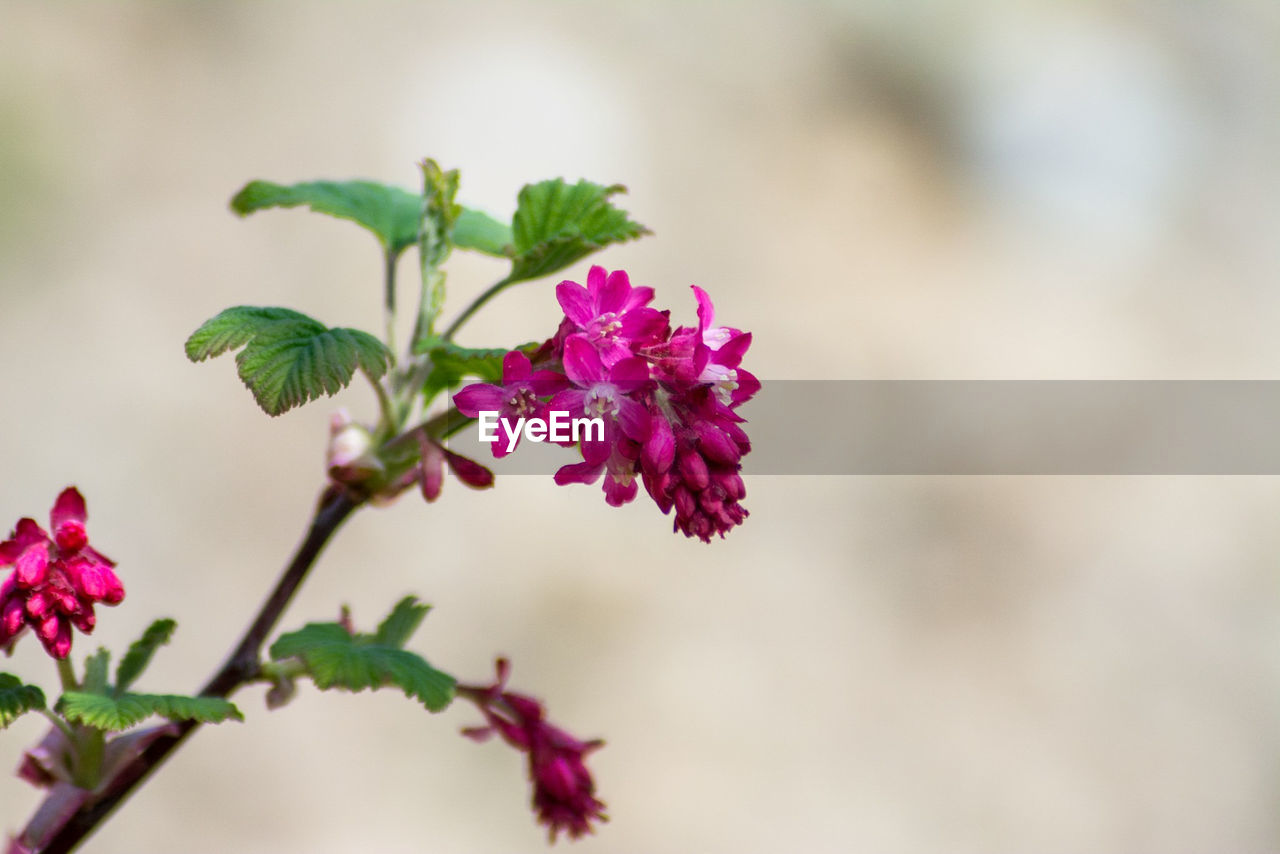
x=241, y=666
x=476, y=304
x=390, y=258
x=67, y=675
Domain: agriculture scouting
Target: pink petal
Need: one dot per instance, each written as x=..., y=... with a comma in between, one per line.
x=634, y=419
x=612, y=350
x=576, y=302
x=26, y=533
x=732, y=352
x=478, y=396
x=706, y=311
x=637, y=298
x=613, y=296
x=69, y=507
x=660, y=448
x=515, y=367
x=545, y=383
x=581, y=362
x=572, y=401
x=629, y=374
x=595, y=284
x=643, y=324
x=468, y=471
x=32, y=565
x=578, y=473
x=595, y=452
x=618, y=493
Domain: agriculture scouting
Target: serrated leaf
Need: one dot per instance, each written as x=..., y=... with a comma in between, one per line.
x=235, y=327
x=17, y=698
x=557, y=223
x=288, y=358
x=336, y=659
x=135, y=661
x=480, y=232
x=390, y=213
x=119, y=713
x=401, y=623
x=95, y=671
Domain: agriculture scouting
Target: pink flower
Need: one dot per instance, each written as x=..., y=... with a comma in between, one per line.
x=519, y=396
x=610, y=315
x=563, y=791
x=55, y=581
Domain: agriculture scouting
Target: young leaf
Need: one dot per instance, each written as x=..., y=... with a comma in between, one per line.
x=390, y=213
x=235, y=327
x=480, y=232
x=401, y=623
x=95, y=671
x=119, y=713
x=140, y=651
x=557, y=224
x=288, y=358
x=435, y=241
x=17, y=699
x=334, y=658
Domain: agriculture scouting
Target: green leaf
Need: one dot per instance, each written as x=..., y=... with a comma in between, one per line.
x=119, y=713
x=402, y=622
x=334, y=658
x=391, y=213
x=480, y=232
x=557, y=224
x=95, y=671
x=140, y=651
x=288, y=358
x=17, y=698
x=235, y=327
x=435, y=241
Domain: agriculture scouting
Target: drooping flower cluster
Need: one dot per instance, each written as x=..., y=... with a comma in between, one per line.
x=56, y=580
x=563, y=791
x=667, y=398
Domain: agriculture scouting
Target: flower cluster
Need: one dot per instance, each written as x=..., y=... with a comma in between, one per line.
x=667, y=398
x=55, y=580
x=563, y=791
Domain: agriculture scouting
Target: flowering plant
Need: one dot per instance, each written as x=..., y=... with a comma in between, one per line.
x=664, y=398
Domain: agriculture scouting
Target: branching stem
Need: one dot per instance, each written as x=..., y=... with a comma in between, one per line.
x=241, y=666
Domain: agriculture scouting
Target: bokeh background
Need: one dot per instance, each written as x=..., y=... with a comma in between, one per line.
x=878, y=190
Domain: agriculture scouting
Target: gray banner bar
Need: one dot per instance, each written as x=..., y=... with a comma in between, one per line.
x=809, y=427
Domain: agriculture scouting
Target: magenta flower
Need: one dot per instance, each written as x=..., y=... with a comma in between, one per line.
x=611, y=315
x=55, y=581
x=519, y=396
x=563, y=791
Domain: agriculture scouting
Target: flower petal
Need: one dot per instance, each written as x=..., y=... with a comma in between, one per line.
x=578, y=473
x=581, y=362
x=477, y=397
x=613, y=296
x=575, y=302
x=515, y=367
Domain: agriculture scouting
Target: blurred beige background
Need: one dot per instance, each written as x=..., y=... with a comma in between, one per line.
x=879, y=191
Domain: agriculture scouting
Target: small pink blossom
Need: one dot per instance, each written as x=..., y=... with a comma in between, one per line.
x=55, y=581
x=610, y=315
x=520, y=395
x=563, y=790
